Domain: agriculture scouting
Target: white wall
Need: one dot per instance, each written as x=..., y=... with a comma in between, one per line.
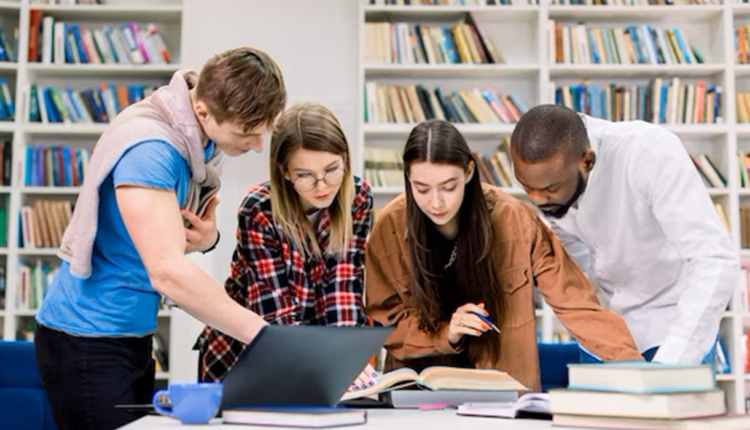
x=316, y=46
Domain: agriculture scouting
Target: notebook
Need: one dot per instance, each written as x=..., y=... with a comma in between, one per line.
x=311, y=417
x=529, y=405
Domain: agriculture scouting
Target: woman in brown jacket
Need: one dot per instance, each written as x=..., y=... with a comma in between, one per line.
x=451, y=247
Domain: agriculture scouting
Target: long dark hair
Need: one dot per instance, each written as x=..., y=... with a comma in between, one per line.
x=438, y=141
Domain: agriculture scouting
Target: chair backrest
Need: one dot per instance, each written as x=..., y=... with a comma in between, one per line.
x=18, y=364
x=554, y=358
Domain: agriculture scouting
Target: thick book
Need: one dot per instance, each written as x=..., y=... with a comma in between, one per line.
x=640, y=377
x=438, y=378
x=725, y=422
x=677, y=405
x=305, y=417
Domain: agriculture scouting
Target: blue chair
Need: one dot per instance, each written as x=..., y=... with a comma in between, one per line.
x=554, y=358
x=23, y=401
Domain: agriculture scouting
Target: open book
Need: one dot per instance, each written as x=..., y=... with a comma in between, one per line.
x=440, y=378
x=529, y=405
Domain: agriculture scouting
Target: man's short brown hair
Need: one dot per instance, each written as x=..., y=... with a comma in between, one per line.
x=242, y=85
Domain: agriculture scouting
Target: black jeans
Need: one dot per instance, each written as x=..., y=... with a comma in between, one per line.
x=85, y=377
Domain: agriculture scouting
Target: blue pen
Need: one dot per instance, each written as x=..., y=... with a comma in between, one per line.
x=486, y=319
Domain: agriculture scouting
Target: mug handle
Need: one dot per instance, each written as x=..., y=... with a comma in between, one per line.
x=159, y=408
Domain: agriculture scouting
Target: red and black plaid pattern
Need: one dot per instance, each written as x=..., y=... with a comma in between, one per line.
x=270, y=276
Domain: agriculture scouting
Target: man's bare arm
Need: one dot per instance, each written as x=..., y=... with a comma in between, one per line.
x=153, y=220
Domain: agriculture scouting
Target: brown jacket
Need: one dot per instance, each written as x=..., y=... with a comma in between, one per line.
x=526, y=253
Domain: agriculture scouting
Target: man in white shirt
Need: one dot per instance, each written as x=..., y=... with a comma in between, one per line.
x=629, y=205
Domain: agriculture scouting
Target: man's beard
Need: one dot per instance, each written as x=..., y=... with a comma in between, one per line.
x=560, y=210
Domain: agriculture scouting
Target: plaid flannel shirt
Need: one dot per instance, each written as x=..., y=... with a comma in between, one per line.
x=270, y=276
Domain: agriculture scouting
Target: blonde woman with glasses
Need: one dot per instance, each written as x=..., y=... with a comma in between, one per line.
x=300, y=239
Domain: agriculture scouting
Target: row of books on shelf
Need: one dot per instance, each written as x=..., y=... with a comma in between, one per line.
x=43, y=222
x=8, y=50
x=33, y=283
x=659, y=101
x=7, y=106
x=59, y=42
x=384, y=167
x=743, y=107
x=415, y=103
x=66, y=2
x=453, y=2
x=56, y=165
x=533, y=2
x=742, y=44
x=6, y=161
x=407, y=43
x=92, y=105
x=745, y=227
x=160, y=353
x=632, y=2
x=632, y=44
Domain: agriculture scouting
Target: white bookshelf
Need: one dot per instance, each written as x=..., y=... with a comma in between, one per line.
x=168, y=15
x=520, y=34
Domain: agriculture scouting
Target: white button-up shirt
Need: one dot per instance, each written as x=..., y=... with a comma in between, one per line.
x=647, y=235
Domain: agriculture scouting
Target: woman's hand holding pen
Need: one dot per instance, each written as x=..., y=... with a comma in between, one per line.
x=466, y=320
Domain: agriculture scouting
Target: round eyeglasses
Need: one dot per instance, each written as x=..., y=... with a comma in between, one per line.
x=307, y=182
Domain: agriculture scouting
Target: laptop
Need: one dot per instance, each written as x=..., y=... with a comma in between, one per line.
x=300, y=365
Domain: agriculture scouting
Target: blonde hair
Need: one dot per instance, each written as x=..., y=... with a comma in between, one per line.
x=310, y=126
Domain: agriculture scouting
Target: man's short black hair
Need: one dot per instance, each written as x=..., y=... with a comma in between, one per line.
x=546, y=131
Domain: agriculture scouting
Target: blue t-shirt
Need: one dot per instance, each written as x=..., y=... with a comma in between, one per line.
x=117, y=299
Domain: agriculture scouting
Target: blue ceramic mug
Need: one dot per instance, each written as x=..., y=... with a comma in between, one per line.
x=192, y=402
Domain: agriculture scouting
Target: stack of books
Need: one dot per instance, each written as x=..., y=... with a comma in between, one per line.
x=644, y=396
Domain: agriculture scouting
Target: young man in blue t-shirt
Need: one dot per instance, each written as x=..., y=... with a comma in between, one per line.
x=154, y=171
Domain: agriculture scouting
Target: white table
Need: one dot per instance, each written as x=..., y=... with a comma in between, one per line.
x=379, y=419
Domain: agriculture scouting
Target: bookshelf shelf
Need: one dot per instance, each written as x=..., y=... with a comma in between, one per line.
x=630, y=13
x=7, y=127
x=164, y=313
x=25, y=312
x=698, y=130
x=50, y=190
x=393, y=191
x=633, y=70
x=725, y=377
x=468, y=130
x=744, y=192
x=7, y=66
x=504, y=12
x=741, y=10
x=161, y=376
x=743, y=130
x=718, y=192
x=118, y=12
x=102, y=70
x=37, y=252
x=374, y=71
x=742, y=70
x=65, y=129
x=4, y=251
x=387, y=191
x=10, y=6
